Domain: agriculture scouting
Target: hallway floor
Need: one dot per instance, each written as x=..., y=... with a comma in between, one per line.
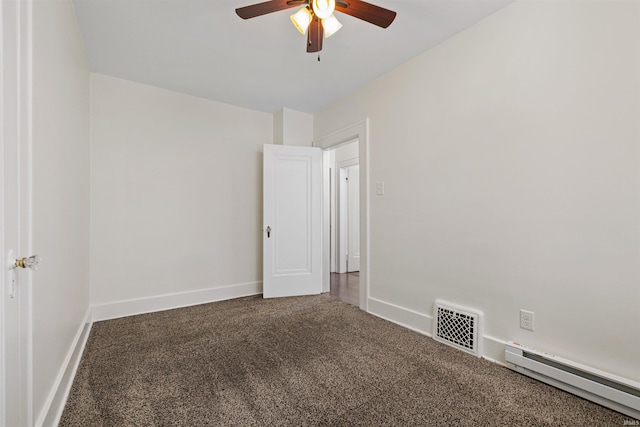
x=346, y=286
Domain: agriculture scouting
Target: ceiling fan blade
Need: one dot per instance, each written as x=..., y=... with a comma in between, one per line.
x=371, y=13
x=314, y=36
x=260, y=9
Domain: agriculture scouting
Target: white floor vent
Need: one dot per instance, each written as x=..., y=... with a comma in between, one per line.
x=606, y=389
x=458, y=327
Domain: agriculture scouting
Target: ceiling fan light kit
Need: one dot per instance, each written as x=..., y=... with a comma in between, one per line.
x=323, y=8
x=302, y=19
x=316, y=16
x=331, y=26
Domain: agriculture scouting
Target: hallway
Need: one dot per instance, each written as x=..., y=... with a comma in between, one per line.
x=346, y=286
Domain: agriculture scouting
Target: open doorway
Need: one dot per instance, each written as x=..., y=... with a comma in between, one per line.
x=356, y=132
x=344, y=228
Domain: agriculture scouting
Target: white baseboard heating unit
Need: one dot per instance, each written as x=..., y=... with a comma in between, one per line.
x=608, y=390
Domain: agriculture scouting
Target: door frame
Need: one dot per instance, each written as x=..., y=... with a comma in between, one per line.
x=358, y=131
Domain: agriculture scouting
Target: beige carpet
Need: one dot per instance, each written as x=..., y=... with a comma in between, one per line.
x=303, y=361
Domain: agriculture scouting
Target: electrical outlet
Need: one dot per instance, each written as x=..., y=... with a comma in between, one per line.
x=527, y=320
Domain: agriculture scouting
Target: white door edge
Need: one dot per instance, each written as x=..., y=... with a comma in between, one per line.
x=16, y=76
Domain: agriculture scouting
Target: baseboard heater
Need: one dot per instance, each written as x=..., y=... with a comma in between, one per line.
x=608, y=390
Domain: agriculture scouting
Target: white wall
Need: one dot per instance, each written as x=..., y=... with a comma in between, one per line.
x=60, y=192
x=510, y=156
x=291, y=127
x=176, y=182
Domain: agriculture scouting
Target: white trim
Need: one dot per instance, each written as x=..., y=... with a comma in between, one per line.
x=359, y=131
x=57, y=399
x=405, y=317
x=493, y=350
x=346, y=163
x=2, y=204
x=132, y=307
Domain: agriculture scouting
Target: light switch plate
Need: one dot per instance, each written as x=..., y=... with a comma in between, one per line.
x=380, y=188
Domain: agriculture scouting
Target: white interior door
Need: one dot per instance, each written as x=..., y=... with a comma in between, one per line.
x=14, y=199
x=292, y=233
x=353, y=214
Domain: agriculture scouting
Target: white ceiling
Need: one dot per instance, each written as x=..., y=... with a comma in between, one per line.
x=202, y=48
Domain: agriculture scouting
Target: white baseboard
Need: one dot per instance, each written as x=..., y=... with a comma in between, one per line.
x=132, y=307
x=492, y=348
x=410, y=319
x=54, y=405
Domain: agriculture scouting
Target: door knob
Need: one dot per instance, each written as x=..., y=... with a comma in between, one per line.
x=33, y=262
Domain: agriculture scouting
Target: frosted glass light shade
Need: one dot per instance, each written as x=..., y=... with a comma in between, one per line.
x=323, y=8
x=331, y=25
x=301, y=19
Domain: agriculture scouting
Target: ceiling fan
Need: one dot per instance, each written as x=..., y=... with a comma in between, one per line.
x=317, y=16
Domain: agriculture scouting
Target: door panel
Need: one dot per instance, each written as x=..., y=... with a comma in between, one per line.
x=292, y=195
x=292, y=238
